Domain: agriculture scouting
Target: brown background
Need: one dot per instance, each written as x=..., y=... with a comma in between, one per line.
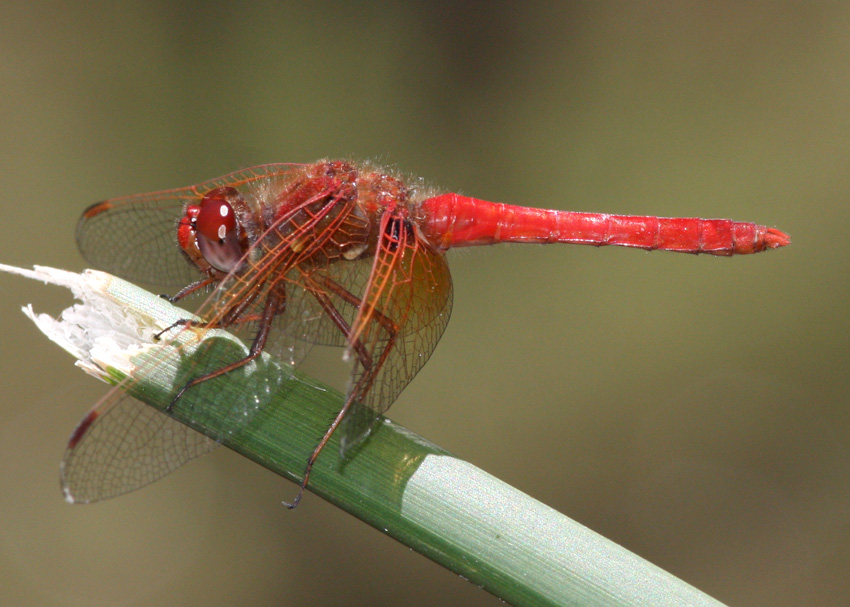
x=694, y=410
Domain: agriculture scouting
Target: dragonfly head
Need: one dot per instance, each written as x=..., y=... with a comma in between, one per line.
x=210, y=234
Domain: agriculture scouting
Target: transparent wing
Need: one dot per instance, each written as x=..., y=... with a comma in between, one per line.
x=311, y=238
x=121, y=445
x=135, y=237
x=390, y=313
x=405, y=308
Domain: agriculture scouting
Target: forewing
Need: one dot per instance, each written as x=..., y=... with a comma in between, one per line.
x=406, y=306
x=135, y=237
x=122, y=445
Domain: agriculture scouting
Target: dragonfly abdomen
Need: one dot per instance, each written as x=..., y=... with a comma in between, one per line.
x=454, y=221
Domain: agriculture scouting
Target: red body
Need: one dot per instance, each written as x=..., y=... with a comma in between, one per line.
x=458, y=221
x=331, y=253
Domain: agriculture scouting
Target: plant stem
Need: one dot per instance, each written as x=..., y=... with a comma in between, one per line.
x=447, y=509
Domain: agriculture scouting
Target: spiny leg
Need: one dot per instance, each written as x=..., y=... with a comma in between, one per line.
x=189, y=289
x=233, y=316
x=275, y=302
x=365, y=357
x=387, y=323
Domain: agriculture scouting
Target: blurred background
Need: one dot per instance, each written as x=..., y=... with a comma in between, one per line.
x=693, y=409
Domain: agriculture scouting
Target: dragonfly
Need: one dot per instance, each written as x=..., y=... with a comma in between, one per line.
x=334, y=253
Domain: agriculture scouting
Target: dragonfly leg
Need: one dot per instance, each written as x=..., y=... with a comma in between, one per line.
x=365, y=380
x=334, y=314
x=370, y=368
x=190, y=288
x=274, y=304
x=313, y=456
x=234, y=315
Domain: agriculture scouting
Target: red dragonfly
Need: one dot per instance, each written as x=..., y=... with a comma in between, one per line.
x=331, y=253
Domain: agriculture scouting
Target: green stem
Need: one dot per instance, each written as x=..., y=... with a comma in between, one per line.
x=444, y=508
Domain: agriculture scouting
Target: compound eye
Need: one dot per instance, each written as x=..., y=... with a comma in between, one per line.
x=217, y=230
